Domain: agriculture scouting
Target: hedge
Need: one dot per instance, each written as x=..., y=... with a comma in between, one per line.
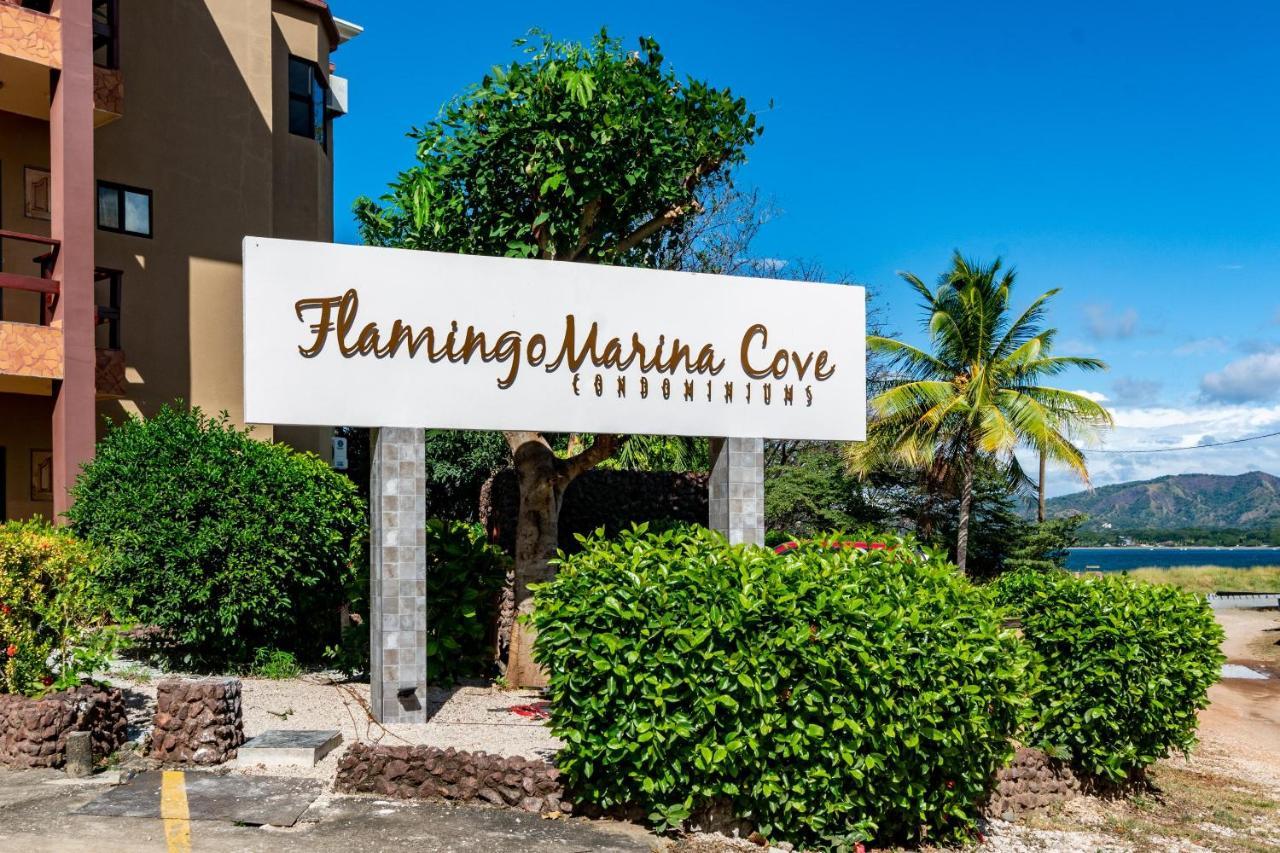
x=1126, y=667
x=227, y=543
x=834, y=695
x=53, y=628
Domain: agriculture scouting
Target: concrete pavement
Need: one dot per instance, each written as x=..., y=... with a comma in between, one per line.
x=37, y=813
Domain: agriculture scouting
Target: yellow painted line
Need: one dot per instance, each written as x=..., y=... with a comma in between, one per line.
x=173, y=810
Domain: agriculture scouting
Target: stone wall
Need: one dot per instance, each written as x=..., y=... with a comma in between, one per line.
x=33, y=732
x=1031, y=783
x=428, y=772
x=610, y=499
x=31, y=36
x=30, y=350
x=197, y=721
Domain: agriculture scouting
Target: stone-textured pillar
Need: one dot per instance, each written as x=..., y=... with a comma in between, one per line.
x=72, y=203
x=735, y=500
x=398, y=575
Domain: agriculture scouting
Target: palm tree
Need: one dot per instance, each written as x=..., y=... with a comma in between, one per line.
x=978, y=395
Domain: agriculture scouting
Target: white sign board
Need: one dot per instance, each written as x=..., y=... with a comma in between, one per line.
x=361, y=336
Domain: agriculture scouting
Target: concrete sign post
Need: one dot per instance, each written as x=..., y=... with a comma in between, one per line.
x=735, y=500
x=398, y=575
x=401, y=340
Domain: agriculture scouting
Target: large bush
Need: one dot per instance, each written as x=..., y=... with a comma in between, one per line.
x=832, y=695
x=227, y=543
x=54, y=629
x=1127, y=666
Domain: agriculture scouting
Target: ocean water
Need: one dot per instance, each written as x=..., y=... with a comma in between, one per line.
x=1120, y=559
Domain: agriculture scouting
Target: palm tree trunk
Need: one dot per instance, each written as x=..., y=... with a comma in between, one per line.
x=1040, y=488
x=966, y=505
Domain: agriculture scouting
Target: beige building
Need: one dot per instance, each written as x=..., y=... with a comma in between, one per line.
x=139, y=143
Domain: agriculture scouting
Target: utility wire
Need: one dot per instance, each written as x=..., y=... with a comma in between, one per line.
x=1193, y=447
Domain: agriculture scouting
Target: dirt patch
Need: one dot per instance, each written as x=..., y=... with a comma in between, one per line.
x=1251, y=635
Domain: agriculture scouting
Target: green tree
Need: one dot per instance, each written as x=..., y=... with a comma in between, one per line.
x=1043, y=546
x=226, y=543
x=979, y=394
x=584, y=153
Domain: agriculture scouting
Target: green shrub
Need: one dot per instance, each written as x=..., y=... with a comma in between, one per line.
x=832, y=695
x=1127, y=666
x=53, y=628
x=464, y=574
x=227, y=543
x=275, y=664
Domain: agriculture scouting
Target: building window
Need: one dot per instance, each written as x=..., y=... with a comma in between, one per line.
x=306, y=99
x=106, y=34
x=125, y=210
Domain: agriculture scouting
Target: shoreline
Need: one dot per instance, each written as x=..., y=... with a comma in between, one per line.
x=1174, y=548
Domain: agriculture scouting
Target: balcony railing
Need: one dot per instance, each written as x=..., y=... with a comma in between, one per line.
x=110, y=359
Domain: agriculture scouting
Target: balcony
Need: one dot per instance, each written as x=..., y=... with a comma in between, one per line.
x=31, y=353
x=31, y=47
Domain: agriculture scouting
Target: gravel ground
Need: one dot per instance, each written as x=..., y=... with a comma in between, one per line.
x=471, y=718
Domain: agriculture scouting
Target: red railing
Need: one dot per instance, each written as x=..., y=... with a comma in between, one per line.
x=108, y=314
x=44, y=284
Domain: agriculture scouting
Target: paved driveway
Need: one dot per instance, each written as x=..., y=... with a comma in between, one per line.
x=38, y=812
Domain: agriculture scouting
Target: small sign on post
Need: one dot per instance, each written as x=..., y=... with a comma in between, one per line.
x=339, y=453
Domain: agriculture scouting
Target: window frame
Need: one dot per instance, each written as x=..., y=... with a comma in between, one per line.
x=120, y=190
x=316, y=100
x=110, y=30
x=109, y=314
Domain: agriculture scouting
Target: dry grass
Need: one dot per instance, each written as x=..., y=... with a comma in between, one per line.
x=1207, y=579
x=1188, y=806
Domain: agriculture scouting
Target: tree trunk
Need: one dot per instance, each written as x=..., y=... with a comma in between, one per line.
x=543, y=479
x=542, y=487
x=1040, y=489
x=966, y=504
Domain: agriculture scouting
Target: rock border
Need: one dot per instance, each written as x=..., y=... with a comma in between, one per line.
x=1032, y=782
x=429, y=772
x=33, y=732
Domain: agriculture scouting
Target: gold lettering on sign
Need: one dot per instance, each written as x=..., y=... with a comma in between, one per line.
x=333, y=321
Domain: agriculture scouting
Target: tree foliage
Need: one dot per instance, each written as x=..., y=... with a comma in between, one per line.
x=578, y=152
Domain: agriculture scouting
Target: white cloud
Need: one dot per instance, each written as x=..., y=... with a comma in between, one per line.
x=1159, y=427
x=1254, y=377
x=1095, y=396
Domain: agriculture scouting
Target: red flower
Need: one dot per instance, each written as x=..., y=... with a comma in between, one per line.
x=12, y=650
x=4, y=608
x=47, y=680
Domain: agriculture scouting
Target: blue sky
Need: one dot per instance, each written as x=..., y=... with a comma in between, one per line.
x=1125, y=152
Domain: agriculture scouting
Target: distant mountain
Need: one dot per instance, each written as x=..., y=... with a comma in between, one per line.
x=1178, y=502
